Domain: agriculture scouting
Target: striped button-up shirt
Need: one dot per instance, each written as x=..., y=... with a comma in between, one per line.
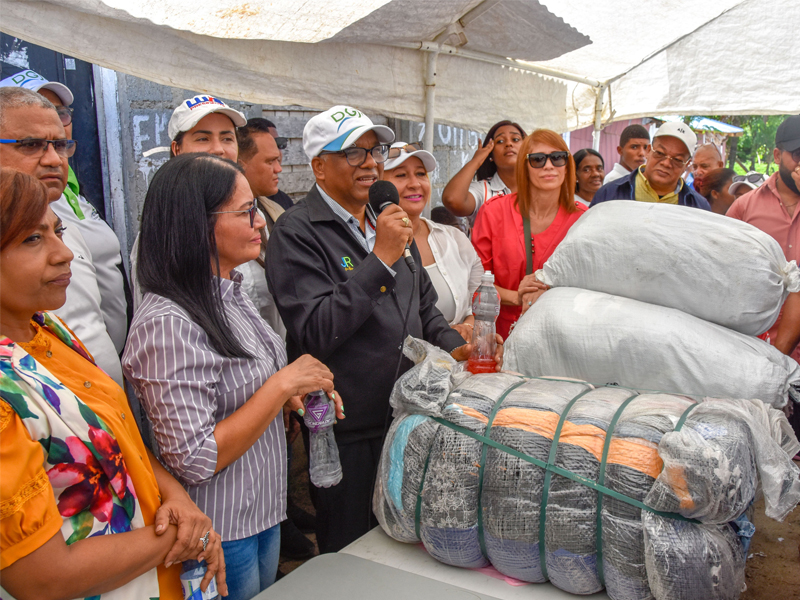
x=187, y=387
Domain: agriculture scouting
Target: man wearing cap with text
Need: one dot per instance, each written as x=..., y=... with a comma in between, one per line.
x=343, y=290
x=659, y=179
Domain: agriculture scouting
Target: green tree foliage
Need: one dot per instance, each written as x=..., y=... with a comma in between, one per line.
x=753, y=150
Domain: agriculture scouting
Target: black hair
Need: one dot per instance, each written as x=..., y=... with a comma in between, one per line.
x=178, y=140
x=578, y=158
x=244, y=135
x=177, y=243
x=633, y=132
x=488, y=168
x=441, y=215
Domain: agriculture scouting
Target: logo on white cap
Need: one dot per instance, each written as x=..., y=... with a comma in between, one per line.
x=193, y=103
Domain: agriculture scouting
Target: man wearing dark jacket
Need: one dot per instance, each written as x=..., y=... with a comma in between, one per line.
x=659, y=179
x=343, y=290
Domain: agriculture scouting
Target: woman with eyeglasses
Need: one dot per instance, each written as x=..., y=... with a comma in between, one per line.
x=715, y=188
x=210, y=372
x=589, y=174
x=447, y=255
x=490, y=173
x=87, y=510
x=515, y=234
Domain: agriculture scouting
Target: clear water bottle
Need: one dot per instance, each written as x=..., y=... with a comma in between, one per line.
x=485, y=307
x=192, y=574
x=324, y=468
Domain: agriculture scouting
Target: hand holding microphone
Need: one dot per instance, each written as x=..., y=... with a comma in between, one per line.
x=393, y=231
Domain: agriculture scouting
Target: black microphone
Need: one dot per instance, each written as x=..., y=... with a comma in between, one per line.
x=382, y=194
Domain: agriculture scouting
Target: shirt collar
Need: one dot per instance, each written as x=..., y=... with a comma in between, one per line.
x=340, y=211
x=677, y=189
x=496, y=183
x=229, y=287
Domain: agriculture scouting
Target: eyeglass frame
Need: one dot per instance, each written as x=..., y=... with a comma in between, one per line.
x=752, y=178
x=795, y=154
x=65, y=111
x=551, y=157
x=252, y=210
x=681, y=164
x=398, y=151
x=367, y=151
x=69, y=147
x=281, y=142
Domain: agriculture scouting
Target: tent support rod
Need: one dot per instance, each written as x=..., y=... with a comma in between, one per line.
x=430, y=102
x=496, y=60
x=598, y=117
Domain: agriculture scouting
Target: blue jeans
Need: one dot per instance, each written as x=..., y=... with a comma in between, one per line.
x=252, y=563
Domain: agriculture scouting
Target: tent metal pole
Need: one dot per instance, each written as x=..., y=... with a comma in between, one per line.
x=598, y=114
x=497, y=60
x=430, y=103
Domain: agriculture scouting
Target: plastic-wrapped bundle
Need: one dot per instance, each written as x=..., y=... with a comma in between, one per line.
x=731, y=274
x=609, y=339
x=475, y=499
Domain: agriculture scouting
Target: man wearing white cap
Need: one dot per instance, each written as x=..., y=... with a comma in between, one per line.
x=199, y=124
x=659, y=179
x=343, y=290
x=29, y=125
x=78, y=213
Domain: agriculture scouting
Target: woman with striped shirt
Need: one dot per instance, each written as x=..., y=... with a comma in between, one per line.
x=208, y=369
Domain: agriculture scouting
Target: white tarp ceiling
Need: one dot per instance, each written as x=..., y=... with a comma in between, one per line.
x=655, y=56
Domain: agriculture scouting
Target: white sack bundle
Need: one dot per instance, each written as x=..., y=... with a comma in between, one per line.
x=711, y=266
x=608, y=339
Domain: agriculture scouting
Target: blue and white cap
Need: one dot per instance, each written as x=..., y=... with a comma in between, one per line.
x=189, y=113
x=338, y=128
x=35, y=82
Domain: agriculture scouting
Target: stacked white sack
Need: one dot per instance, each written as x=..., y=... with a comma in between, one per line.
x=608, y=339
x=713, y=267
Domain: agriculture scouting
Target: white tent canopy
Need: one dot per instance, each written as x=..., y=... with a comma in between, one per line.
x=484, y=58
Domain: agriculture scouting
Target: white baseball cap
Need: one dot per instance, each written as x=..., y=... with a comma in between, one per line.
x=35, y=82
x=189, y=112
x=338, y=128
x=428, y=161
x=680, y=130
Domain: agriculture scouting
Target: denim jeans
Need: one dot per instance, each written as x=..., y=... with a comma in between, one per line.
x=252, y=563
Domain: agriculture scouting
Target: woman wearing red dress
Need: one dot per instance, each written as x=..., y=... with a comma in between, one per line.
x=545, y=199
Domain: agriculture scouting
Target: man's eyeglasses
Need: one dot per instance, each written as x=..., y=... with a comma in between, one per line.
x=356, y=156
x=65, y=114
x=281, y=142
x=408, y=149
x=751, y=178
x=539, y=159
x=795, y=154
x=251, y=210
x=35, y=147
x=674, y=161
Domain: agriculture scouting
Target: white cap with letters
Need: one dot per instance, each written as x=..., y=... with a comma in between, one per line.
x=35, y=82
x=189, y=112
x=680, y=130
x=338, y=128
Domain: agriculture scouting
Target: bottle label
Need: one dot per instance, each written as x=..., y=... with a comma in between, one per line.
x=192, y=591
x=318, y=411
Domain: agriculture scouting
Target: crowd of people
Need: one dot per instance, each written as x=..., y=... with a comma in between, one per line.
x=242, y=302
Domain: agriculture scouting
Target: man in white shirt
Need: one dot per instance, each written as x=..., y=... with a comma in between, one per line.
x=634, y=143
x=26, y=116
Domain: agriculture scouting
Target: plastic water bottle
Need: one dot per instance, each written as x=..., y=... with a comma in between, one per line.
x=485, y=307
x=192, y=574
x=324, y=468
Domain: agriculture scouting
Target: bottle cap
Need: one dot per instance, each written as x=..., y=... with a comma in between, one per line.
x=487, y=276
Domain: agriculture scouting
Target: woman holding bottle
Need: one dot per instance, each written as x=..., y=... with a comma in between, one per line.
x=515, y=234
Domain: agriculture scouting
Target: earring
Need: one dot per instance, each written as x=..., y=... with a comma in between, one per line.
x=491, y=159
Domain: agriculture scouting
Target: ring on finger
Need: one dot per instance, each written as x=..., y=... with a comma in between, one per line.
x=406, y=222
x=204, y=539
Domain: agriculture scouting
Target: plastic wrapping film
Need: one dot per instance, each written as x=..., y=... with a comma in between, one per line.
x=474, y=501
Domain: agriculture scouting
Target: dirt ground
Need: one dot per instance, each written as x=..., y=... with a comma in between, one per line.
x=772, y=571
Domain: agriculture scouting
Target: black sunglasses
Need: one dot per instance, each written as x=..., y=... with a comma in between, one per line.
x=408, y=149
x=65, y=114
x=281, y=142
x=539, y=159
x=751, y=178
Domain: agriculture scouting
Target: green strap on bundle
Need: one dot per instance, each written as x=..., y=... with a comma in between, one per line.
x=551, y=460
x=550, y=468
x=601, y=479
